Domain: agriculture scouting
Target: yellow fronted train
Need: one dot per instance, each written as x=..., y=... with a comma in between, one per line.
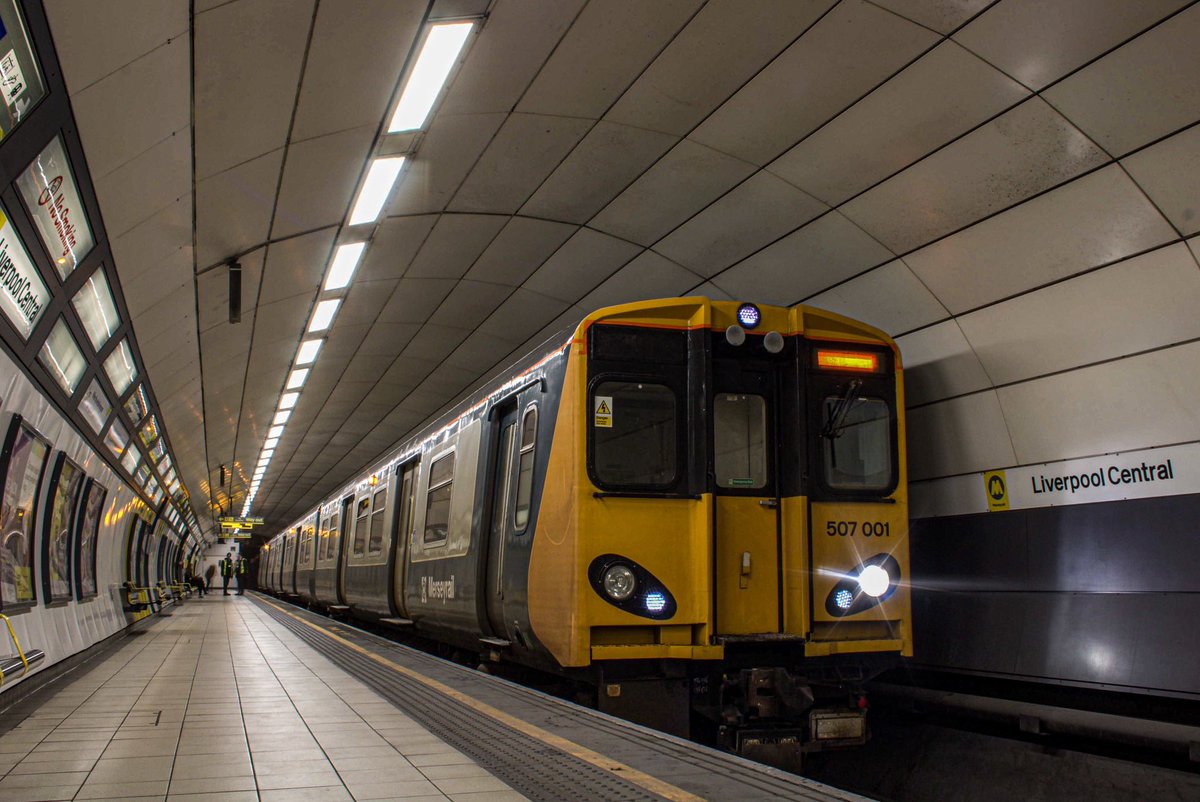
x=695, y=509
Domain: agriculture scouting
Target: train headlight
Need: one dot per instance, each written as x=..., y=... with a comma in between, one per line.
x=874, y=581
x=619, y=582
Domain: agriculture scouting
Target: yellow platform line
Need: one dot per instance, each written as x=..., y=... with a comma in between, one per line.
x=652, y=784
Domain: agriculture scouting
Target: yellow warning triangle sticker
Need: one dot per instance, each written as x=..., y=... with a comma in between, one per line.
x=603, y=409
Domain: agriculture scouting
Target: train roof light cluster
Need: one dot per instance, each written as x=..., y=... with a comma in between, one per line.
x=440, y=50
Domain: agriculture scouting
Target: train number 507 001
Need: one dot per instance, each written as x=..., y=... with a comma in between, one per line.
x=852, y=528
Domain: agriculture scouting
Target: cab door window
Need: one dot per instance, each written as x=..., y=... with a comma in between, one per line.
x=856, y=443
x=740, y=441
x=635, y=443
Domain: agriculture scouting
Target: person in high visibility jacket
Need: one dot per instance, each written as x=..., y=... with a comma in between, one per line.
x=239, y=570
x=226, y=572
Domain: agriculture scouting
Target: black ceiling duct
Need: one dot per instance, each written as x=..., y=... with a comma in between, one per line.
x=235, y=292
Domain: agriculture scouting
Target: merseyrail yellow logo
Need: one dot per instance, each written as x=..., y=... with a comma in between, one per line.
x=996, y=488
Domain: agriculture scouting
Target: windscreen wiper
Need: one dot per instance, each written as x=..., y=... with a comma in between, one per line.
x=833, y=429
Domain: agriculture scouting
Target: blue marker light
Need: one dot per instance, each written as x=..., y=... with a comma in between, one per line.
x=655, y=602
x=749, y=316
x=843, y=599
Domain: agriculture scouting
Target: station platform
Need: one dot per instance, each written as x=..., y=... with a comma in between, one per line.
x=245, y=698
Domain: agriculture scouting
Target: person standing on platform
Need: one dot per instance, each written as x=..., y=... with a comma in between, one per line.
x=239, y=569
x=226, y=573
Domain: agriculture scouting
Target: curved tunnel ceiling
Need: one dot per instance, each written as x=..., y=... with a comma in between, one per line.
x=1008, y=187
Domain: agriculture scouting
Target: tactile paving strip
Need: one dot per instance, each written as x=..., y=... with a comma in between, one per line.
x=536, y=770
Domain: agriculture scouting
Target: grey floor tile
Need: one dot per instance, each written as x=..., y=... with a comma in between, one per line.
x=44, y=793
x=327, y=793
x=211, y=785
x=303, y=779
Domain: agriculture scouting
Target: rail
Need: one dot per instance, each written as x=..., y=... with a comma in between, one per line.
x=9, y=663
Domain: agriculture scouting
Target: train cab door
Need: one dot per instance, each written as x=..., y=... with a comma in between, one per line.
x=747, y=536
x=503, y=462
x=342, y=547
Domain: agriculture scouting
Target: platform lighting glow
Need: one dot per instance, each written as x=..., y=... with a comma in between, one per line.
x=345, y=262
x=323, y=315
x=296, y=379
x=308, y=352
x=281, y=417
x=376, y=188
x=275, y=431
x=874, y=581
x=288, y=400
x=428, y=76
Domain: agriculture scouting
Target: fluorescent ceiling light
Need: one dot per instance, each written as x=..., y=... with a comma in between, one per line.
x=296, y=379
x=275, y=431
x=287, y=401
x=281, y=417
x=376, y=188
x=308, y=352
x=346, y=257
x=323, y=315
x=266, y=453
x=271, y=443
x=428, y=76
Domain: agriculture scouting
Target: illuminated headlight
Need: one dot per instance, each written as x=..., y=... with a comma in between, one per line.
x=655, y=602
x=844, y=599
x=619, y=583
x=874, y=581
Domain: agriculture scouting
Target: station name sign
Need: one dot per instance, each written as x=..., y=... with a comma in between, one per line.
x=52, y=198
x=23, y=294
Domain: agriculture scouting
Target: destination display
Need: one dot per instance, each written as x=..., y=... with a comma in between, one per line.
x=23, y=294
x=49, y=190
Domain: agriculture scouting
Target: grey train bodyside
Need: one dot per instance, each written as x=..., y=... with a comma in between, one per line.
x=370, y=547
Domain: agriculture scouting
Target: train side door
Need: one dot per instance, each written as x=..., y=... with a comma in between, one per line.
x=343, y=547
x=746, y=497
x=402, y=534
x=503, y=460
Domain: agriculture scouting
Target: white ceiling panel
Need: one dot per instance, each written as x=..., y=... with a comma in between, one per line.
x=173, y=317
x=521, y=316
x=296, y=267
x=248, y=58
x=581, y=264
x=1140, y=92
x=1019, y=154
x=712, y=292
x=363, y=305
x=393, y=247
x=515, y=42
x=685, y=83
x=807, y=261
x=525, y=151
x=647, y=276
x=1055, y=328
x=1095, y=220
x=447, y=153
x=144, y=247
x=941, y=96
x=415, y=299
x=387, y=340
x=608, y=159
x=963, y=435
x=752, y=215
x=319, y=179
x=680, y=184
x=889, y=297
x=479, y=352
x=468, y=305
x=92, y=46
x=1147, y=400
x=146, y=184
x=854, y=48
x=1194, y=245
x=354, y=61
x=606, y=48
x=939, y=363
x=174, y=276
x=1167, y=172
x=233, y=208
x=518, y=250
x=435, y=343
x=152, y=94
x=941, y=15
x=456, y=241
x=1037, y=42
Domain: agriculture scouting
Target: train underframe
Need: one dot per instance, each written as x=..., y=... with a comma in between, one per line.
x=758, y=704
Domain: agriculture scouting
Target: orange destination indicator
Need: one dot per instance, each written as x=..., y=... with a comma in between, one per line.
x=848, y=360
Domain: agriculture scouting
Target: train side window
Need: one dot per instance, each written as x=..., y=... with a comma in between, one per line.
x=85, y=541
x=635, y=441
x=361, y=520
x=856, y=443
x=437, y=501
x=24, y=460
x=739, y=441
x=525, y=472
x=378, y=503
x=56, y=543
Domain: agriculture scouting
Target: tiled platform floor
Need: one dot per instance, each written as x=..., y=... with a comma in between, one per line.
x=218, y=702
